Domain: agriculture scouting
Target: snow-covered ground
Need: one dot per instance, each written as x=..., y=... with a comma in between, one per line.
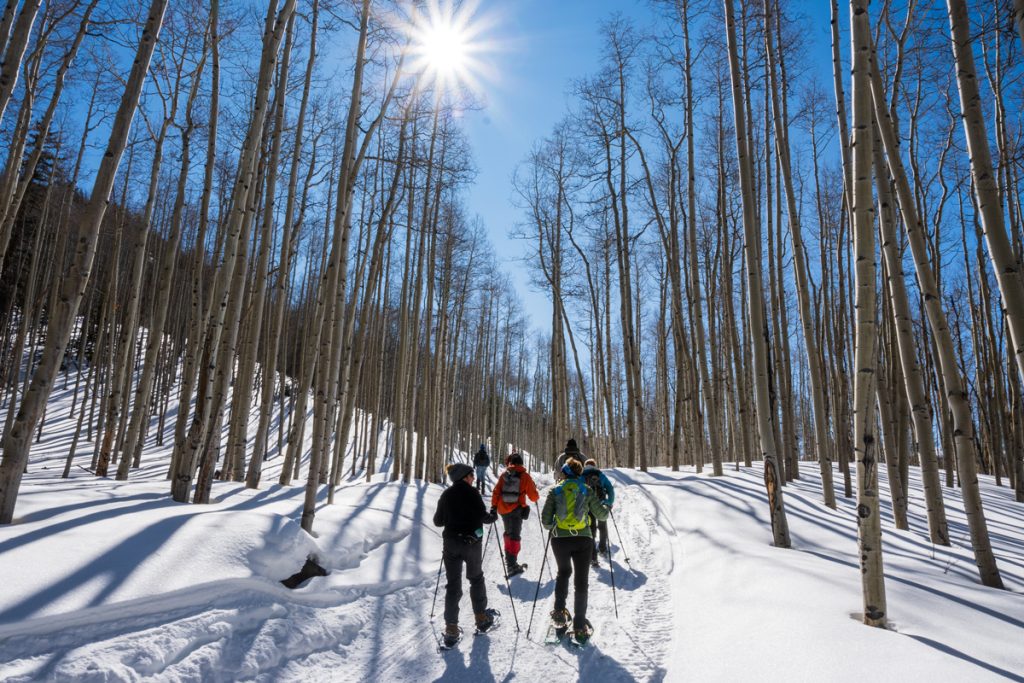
x=112, y=581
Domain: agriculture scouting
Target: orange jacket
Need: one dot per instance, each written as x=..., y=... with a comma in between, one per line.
x=527, y=489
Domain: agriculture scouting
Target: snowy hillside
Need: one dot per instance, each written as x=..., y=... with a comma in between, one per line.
x=112, y=581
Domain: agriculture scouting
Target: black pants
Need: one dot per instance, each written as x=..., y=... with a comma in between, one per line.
x=602, y=527
x=573, y=553
x=454, y=554
x=514, y=524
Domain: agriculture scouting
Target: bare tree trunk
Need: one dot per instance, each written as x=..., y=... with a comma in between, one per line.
x=758, y=325
x=963, y=427
x=16, y=439
x=869, y=528
x=1005, y=263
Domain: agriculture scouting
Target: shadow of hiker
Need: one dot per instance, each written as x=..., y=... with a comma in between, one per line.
x=479, y=667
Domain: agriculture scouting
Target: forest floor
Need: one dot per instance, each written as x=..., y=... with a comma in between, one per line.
x=112, y=581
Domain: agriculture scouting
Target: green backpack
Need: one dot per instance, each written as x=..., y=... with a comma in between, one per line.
x=570, y=505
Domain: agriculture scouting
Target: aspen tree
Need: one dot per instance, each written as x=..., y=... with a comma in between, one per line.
x=210, y=399
x=800, y=270
x=956, y=394
x=15, y=49
x=16, y=438
x=755, y=296
x=1005, y=262
x=869, y=531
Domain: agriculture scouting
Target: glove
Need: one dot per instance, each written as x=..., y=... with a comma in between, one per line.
x=491, y=517
x=606, y=504
x=526, y=512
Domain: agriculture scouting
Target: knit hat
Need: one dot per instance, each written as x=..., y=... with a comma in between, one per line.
x=572, y=468
x=571, y=446
x=459, y=470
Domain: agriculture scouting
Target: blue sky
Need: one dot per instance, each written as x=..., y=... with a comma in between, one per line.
x=542, y=46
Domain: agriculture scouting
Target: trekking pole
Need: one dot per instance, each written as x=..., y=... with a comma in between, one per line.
x=541, y=525
x=436, y=586
x=616, y=524
x=508, y=584
x=537, y=593
x=611, y=571
x=487, y=542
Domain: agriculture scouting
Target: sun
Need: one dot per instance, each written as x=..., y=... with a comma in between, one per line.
x=447, y=44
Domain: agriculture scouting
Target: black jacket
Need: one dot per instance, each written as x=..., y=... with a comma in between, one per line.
x=481, y=458
x=461, y=511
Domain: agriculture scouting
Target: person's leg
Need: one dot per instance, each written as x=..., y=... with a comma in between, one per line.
x=513, y=533
x=481, y=472
x=475, y=576
x=593, y=537
x=602, y=547
x=581, y=555
x=452, y=558
x=560, y=548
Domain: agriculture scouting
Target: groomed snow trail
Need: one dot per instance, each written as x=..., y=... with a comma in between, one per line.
x=368, y=620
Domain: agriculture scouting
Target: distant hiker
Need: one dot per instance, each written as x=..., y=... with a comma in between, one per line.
x=565, y=513
x=571, y=451
x=509, y=497
x=461, y=512
x=602, y=487
x=481, y=461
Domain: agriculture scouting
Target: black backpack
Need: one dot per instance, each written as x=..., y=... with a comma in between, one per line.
x=593, y=481
x=510, y=486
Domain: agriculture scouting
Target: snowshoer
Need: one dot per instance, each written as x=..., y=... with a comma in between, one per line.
x=602, y=487
x=461, y=511
x=481, y=461
x=571, y=451
x=565, y=514
x=509, y=497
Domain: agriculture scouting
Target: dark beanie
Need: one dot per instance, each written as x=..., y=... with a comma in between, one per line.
x=515, y=459
x=571, y=447
x=458, y=470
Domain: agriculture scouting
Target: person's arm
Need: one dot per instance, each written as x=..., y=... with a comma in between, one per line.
x=485, y=516
x=607, y=483
x=496, y=491
x=547, y=515
x=530, y=488
x=439, y=514
x=596, y=508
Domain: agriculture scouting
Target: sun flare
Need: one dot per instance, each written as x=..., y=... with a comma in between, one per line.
x=447, y=43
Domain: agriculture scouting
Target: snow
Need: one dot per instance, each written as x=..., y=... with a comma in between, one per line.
x=112, y=581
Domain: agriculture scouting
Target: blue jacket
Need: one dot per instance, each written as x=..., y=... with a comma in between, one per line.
x=603, y=486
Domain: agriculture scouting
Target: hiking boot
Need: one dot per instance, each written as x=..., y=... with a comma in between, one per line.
x=452, y=634
x=560, y=618
x=485, y=619
x=595, y=563
x=602, y=548
x=582, y=635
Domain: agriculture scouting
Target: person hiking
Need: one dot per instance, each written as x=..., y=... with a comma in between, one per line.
x=602, y=486
x=571, y=451
x=481, y=461
x=509, y=497
x=565, y=516
x=461, y=511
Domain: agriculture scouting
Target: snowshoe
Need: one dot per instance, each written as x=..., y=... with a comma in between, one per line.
x=487, y=621
x=581, y=637
x=516, y=570
x=561, y=620
x=449, y=639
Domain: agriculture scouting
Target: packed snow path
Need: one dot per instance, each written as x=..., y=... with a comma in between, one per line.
x=111, y=581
